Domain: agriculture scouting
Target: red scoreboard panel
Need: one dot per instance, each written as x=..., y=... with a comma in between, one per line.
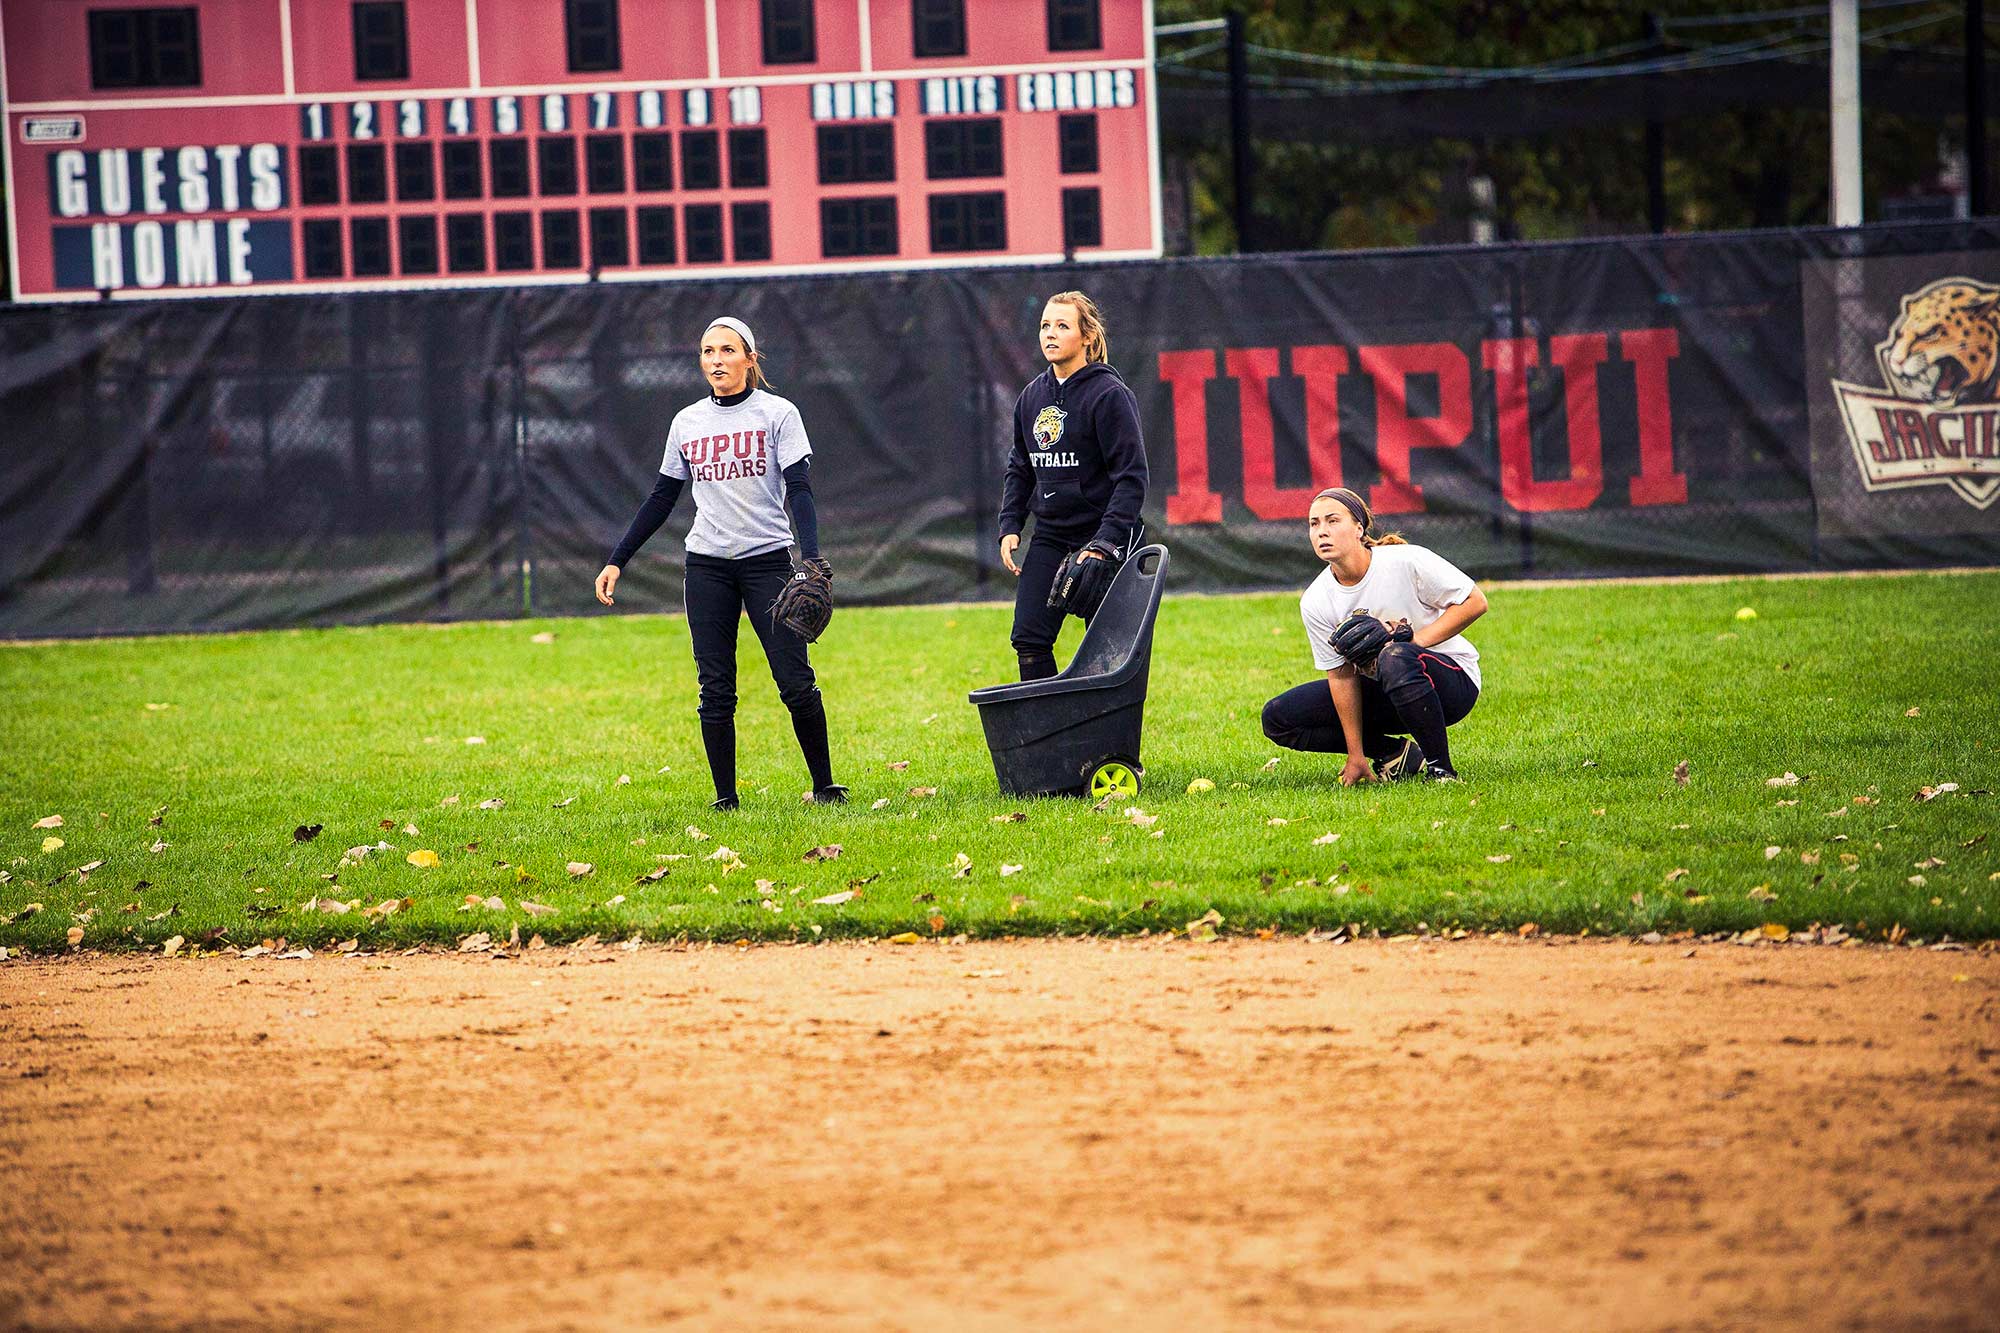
x=214, y=146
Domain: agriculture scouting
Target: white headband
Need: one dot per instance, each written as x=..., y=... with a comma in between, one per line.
x=741, y=329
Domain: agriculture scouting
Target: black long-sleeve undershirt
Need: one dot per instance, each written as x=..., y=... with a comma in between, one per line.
x=667, y=493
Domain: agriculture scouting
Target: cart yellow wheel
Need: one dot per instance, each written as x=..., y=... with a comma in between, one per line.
x=1114, y=777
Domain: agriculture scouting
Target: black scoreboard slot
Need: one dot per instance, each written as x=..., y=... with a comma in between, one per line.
x=750, y=231
x=653, y=162
x=852, y=227
x=465, y=242
x=513, y=241
x=604, y=164
x=319, y=174
x=463, y=178
x=701, y=160
x=1076, y=141
x=370, y=240
x=322, y=246
x=748, y=166
x=416, y=172
x=956, y=149
x=704, y=233
x=1083, y=218
x=849, y=154
x=367, y=174
x=417, y=243
x=965, y=222
x=609, y=245
x=509, y=161
x=555, y=164
x=656, y=234
x=562, y=239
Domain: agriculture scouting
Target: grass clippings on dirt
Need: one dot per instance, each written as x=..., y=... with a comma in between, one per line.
x=546, y=777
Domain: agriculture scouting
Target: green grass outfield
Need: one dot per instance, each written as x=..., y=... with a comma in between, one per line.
x=1570, y=817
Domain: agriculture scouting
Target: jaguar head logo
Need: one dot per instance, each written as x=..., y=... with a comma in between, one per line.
x=1944, y=348
x=1049, y=426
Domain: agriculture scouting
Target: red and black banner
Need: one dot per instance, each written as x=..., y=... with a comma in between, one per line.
x=1760, y=401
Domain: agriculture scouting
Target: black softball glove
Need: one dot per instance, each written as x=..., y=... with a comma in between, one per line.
x=1080, y=584
x=805, y=604
x=1361, y=638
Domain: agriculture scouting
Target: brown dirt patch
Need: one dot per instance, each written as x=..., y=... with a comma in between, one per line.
x=1244, y=1134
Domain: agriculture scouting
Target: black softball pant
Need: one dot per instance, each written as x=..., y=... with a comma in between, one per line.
x=1416, y=692
x=1036, y=623
x=718, y=592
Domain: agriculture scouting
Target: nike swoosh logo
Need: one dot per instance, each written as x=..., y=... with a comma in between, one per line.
x=1048, y=495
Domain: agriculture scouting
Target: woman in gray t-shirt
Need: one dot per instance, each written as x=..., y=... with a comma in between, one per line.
x=743, y=451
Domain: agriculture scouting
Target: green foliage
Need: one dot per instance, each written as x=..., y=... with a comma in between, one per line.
x=1752, y=166
x=1571, y=817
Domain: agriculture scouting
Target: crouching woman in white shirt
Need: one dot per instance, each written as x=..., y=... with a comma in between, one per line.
x=1424, y=677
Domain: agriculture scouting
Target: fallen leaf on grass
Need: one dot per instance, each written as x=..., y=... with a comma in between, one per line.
x=388, y=907
x=475, y=740
x=961, y=866
x=537, y=909
x=473, y=901
x=158, y=708
x=1932, y=793
x=1501, y=858
x=1275, y=822
x=159, y=818
x=1270, y=764
x=578, y=869
x=1809, y=858
x=172, y=946
x=492, y=803
x=1681, y=773
x=1011, y=817
x=1139, y=818
x=424, y=858
x=1006, y=870
x=878, y=803
x=834, y=899
x=1528, y=930
x=624, y=780
x=907, y=937
x=1326, y=839
x=1762, y=894
x=1771, y=930
x=546, y=636
x=49, y=821
x=696, y=834
x=1200, y=784
x=50, y=844
x=1201, y=930
x=1918, y=881
x=410, y=829
x=1678, y=872
x=75, y=936
x=652, y=876
x=306, y=832
x=449, y=800
x=1790, y=779
x=829, y=852
x=478, y=942
x=1912, y=712
x=898, y=765
x=1771, y=853
x=923, y=791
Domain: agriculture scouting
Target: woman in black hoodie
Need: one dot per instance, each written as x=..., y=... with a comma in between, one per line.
x=1078, y=464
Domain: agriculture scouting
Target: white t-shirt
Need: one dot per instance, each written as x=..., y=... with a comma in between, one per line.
x=1411, y=583
x=735, y=458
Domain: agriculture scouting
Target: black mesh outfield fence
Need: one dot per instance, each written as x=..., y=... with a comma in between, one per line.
x=1634, y=406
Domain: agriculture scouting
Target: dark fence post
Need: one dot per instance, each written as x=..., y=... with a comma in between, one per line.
x=1239, y=134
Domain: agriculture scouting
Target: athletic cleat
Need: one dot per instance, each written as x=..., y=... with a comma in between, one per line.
x=1408, y=762
x=723, y=803
x=831, y=794
x=1433, y=771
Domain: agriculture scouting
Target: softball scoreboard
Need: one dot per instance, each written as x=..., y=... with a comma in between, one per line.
x=229, y=145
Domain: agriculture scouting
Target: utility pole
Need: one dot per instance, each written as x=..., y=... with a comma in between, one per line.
x=1978, y=196
x=1239, y=133
x=1844, y=76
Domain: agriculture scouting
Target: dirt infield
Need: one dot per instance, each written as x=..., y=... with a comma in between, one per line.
x=1068, y=1134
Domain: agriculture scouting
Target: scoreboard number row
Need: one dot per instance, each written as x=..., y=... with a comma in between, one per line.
x=410, y=118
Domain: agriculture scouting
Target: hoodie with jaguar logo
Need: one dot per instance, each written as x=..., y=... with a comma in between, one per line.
x=1078, y=461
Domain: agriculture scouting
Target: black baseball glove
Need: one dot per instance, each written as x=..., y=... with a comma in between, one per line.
x=805, y=604
x=1080, y=584
x=1361, y=638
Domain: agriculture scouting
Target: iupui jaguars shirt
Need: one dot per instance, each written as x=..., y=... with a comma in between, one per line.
x=1412, y=583
x=734, y=459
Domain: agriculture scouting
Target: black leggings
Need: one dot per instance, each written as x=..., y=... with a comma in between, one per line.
x=1036, y=623
x=1416, y=692
x=718, y=592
